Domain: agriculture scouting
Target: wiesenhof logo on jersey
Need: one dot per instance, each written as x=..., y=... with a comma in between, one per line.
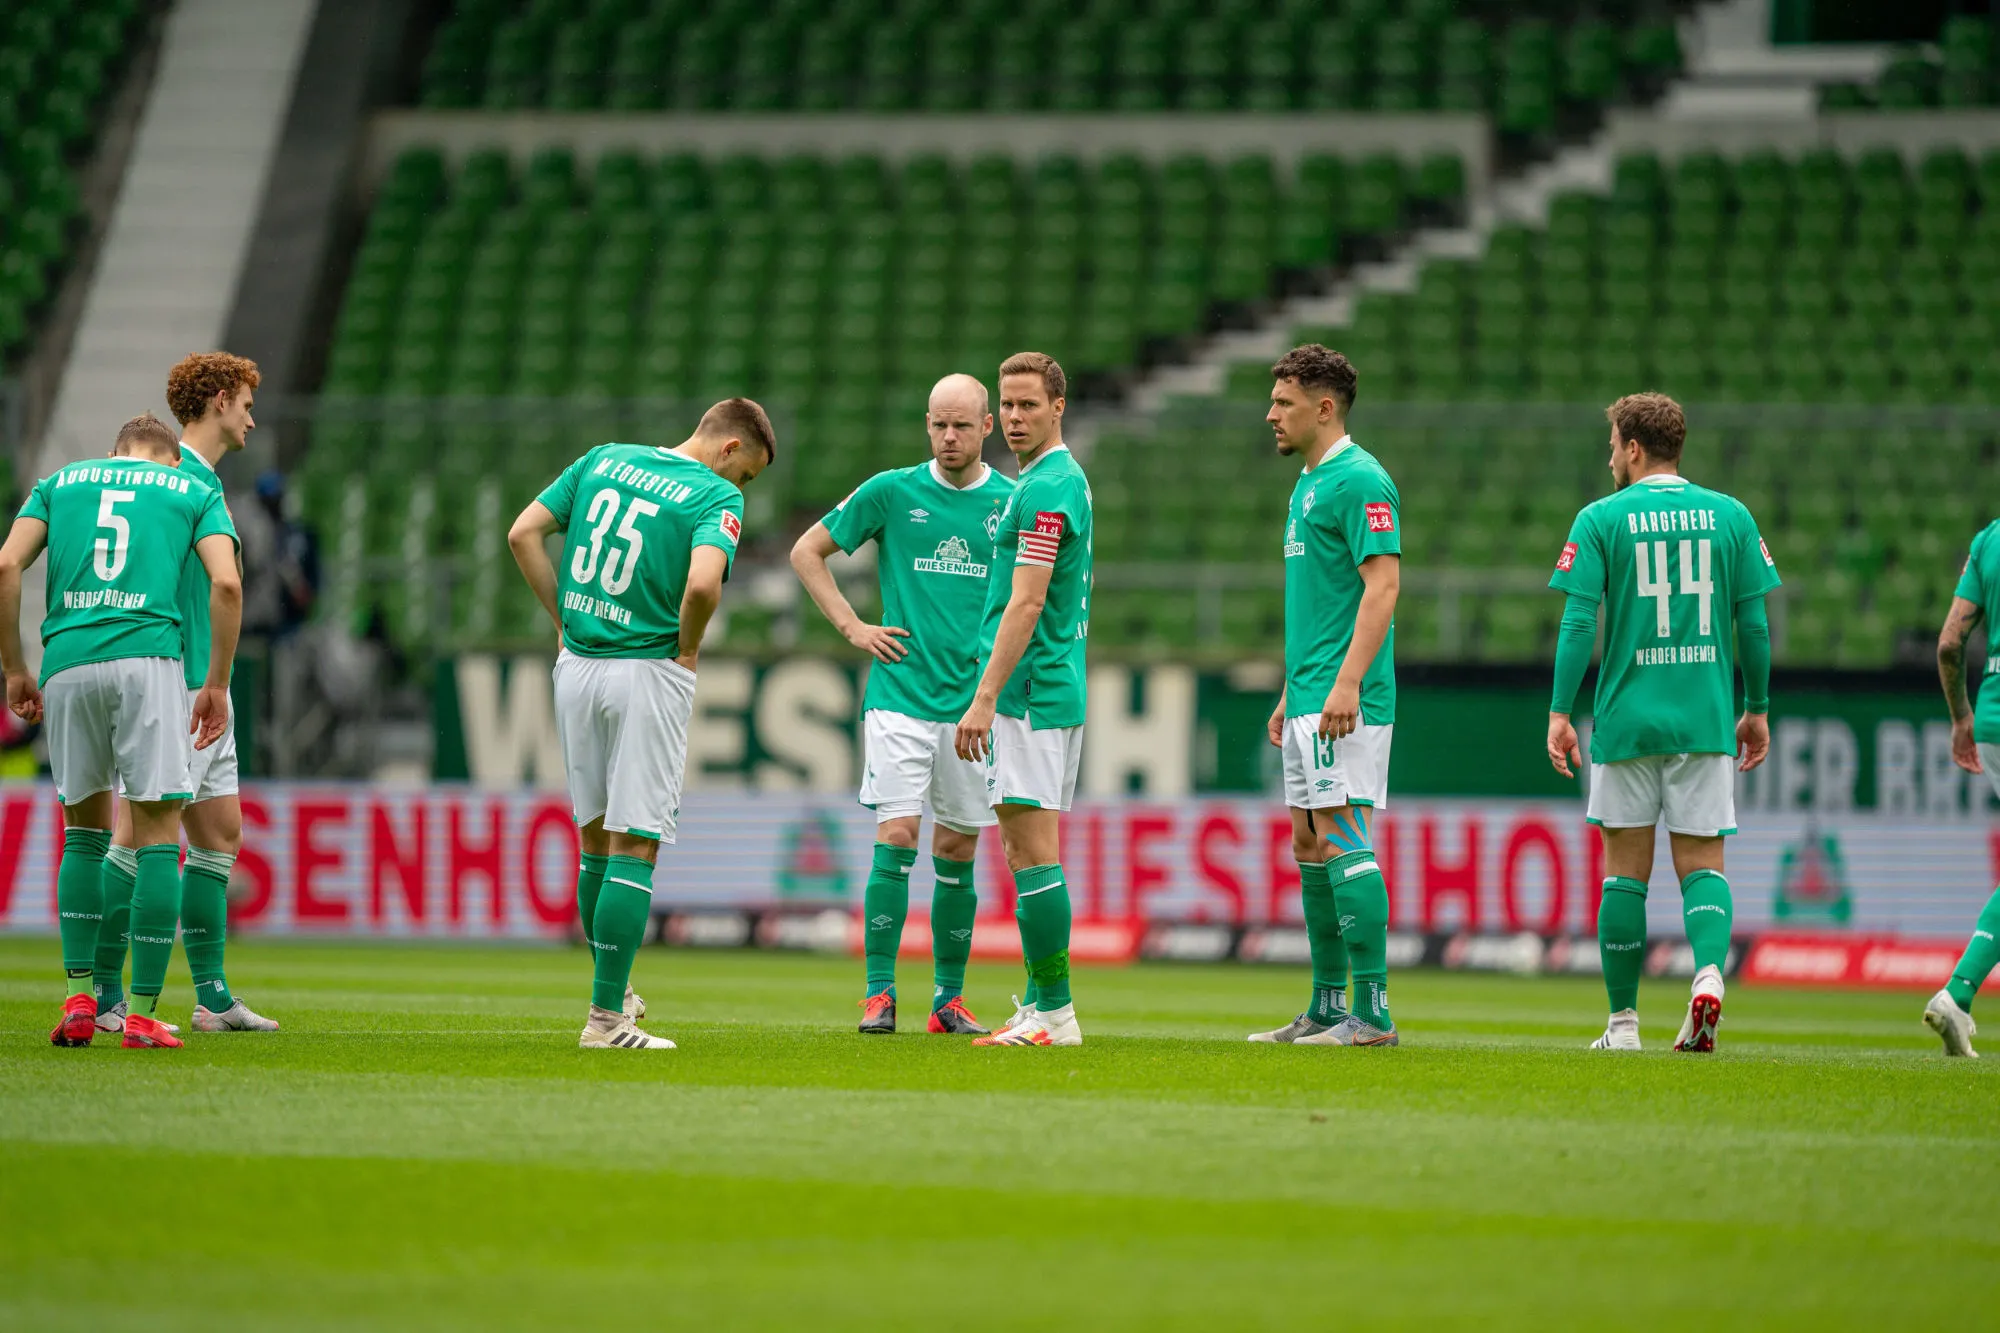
x=952, y=556
x=1293, y=546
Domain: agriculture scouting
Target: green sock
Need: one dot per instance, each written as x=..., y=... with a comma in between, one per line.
x=618, y=927
x=1042, y=908
x=156, y=910
x=114, y=931
x=1981, y=952
x=1707, y=911
x=885, y=905
x=1329, y=950
x=205, y=923
x=589, y=879
x=1621, y=939
x=1362, y=897
x=954, y=904
x=80, y=903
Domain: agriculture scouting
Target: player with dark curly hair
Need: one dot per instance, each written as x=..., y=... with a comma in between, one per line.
x=212, y=394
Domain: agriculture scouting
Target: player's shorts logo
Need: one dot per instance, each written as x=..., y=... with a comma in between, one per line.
x=1567, y=560
x=732, y=526
x=1381, y=518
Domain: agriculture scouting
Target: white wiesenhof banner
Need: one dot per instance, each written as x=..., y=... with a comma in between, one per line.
x=359, y=859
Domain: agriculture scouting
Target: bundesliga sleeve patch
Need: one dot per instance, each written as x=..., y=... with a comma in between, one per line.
x=732, y=526
x=1767, y=553
x=1567, y=560
x=1381, y=518
x=1038, y=544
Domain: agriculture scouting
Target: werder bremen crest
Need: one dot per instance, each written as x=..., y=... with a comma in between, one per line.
x=993, y=525
x=952, y=556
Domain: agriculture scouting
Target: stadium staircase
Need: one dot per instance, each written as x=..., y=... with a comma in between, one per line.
x=167, y=272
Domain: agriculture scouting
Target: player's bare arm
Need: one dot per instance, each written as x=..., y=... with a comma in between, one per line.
x=698, y=603
x=528, y=540
x=1381, y=579
x=24, y=543
x=1017, y=625
x=1959, y=622
x=225, y=620
x=809, y=556
x=1274, y=729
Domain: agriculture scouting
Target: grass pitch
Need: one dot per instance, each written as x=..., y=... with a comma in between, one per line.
x=423, y=1146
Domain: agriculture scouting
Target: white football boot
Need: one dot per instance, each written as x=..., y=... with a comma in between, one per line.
x=238, y=1017
x=1704, y=1013
x=1943, y=1016
x=635, y=1003
x=1621, y=1033
x=113, y=1019
x=607, y=1029
x=1023, y=1013
x=1353, y=1031
x=1297, y=1030
x=1045, y=1027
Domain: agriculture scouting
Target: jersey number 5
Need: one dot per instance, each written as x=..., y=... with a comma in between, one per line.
x=618, y=565
x=1656, y=579
x=109, y=557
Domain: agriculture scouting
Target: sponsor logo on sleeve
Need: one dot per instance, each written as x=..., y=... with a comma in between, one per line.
x=1381, y=517
x=732, y=527
x=1039, y=543
x=1762, y=546
x=1567, y=560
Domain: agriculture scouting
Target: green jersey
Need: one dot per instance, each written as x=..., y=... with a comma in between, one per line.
x=1046, y=521
x=120, y=530
x=193, y=594
x=1980, y=585
x=633, y=515
x=929, y=535
x=1669, y=561
x=1343, y=511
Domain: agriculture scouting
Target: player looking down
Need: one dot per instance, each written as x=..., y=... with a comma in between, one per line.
x=1334, y=721
x=1975, y=745
x=211, y=394
x=933, y=527
x=1681, y=575
x=650, y=534
x=112, y=689
x=1026, y=716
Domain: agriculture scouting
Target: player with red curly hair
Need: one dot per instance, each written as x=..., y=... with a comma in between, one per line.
x=212, y=394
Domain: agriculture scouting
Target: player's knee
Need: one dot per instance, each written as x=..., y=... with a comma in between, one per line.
x=952, y=844
x=1308, y=845
x=898, y=832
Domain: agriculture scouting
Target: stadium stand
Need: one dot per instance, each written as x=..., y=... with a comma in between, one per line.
x=1523, y=62
x=58, y=63
x=1822, y=282
x=1962, y=70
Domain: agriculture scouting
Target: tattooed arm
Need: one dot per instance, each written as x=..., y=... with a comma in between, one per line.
x=1958, y=626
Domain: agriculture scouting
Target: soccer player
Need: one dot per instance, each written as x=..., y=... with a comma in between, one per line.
x=926, y=521
x=650, y=536
x=112, y=689
x=1026, y=717
x=1335, y=719
x=1975, y=744
x=1677, y=568
x=212, y=394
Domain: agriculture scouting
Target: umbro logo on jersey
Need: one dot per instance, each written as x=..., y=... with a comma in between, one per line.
x=919, y=515
x=952, y=556
x=1381, y=518
x=1567, y=560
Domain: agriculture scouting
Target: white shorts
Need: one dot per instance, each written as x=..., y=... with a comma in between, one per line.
x=908, y=761
x=1694, y=793
x=1029, y=767
x=1989, y=759
x=623, y=724
x=118, y=724
x=214, y=769
x=1353, y=770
